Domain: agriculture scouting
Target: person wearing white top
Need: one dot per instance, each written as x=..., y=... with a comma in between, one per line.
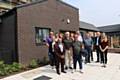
x=79, y=36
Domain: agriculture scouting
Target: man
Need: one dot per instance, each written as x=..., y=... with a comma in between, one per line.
x=68, y=54
x=97, y=43
x=77, y=55
x=59, y=55
x=88, y=43
x=49, y=41
x=83, y=50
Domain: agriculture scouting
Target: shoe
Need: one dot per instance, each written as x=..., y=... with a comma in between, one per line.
x=63, y=72
x=104, y=65
x=66, y=68
x=92, y=60
x=81, y=71
x=74, y=70
x=70, y=68
x=58, y=73
x=88, y=62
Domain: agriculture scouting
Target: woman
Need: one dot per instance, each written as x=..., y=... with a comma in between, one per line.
x=59, y=55
x=104, y=49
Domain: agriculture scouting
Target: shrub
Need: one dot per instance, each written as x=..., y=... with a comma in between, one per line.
x=16, y=67
x=6, y=69
x=33, y=63
x=2, y=68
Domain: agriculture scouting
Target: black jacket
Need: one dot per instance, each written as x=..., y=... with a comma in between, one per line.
x=99, y=40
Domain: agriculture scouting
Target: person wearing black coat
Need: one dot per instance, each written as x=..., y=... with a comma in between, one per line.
x=97, y=48
x=59, y=55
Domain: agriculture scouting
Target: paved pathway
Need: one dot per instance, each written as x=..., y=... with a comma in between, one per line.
x=92, y=71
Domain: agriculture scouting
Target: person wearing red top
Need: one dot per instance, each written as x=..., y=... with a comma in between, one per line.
x=104, y=49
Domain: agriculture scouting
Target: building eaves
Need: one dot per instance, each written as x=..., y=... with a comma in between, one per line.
x=8, y=12
x=110, y=28
x=32, y=3
x=20, y=6
x=88, y=26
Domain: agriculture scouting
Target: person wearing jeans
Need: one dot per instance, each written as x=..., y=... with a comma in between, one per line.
x=49, y=41
x=77, y=55
x=88, y=43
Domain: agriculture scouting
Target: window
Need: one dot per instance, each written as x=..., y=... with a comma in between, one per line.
x=41, y=34
x=116, y=41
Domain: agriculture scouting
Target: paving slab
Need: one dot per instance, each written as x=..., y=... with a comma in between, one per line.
x=92, y=71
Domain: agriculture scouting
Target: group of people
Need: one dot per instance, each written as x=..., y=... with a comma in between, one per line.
x=69, y=48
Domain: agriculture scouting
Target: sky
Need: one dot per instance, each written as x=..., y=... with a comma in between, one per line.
x=98, y=12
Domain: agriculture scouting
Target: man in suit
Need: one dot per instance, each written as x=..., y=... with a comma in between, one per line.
x=97, y=43
x=59, y=56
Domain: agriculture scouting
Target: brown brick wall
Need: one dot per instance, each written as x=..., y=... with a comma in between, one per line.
x=49, y=14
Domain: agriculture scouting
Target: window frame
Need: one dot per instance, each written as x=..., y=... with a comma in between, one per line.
x=42, y=34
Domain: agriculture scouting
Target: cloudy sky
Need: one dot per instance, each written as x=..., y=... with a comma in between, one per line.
x=98, y=12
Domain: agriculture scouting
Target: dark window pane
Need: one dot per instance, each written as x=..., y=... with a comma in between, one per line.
x=41, y=34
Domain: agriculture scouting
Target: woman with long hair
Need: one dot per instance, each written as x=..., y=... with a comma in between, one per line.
x=104, y=49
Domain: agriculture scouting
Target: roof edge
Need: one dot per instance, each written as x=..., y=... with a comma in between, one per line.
x=67, y=4
x=109, y=25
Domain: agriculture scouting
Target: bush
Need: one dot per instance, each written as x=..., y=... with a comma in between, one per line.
x=2, y=68
x=16, y=67
x=33, y=64
x=6, y=69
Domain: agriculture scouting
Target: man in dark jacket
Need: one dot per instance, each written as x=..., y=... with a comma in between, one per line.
x=49, y=41
x=59, y=55
x=97, y=43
